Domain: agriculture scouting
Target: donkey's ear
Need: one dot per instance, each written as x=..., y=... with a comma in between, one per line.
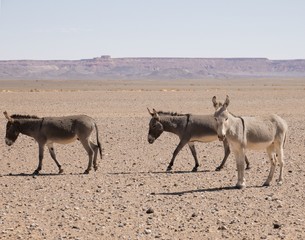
x=227, y=101
x=151, y=113
x=215, y=104
x=8, y=117
x=155, y=114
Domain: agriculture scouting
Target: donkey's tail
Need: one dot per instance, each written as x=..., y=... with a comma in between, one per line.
x=285, y=134
x=284, y=142
x=98, y=141
x=244, y=142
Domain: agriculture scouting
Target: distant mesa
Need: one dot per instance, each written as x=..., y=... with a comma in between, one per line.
x=105, y=67
x=105, y=57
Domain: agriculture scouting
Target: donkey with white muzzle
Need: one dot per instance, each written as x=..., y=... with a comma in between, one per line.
x=251, y=133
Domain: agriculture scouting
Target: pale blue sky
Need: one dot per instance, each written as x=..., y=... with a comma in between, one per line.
x=77, y=29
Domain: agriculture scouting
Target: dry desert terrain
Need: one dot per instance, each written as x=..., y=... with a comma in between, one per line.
x=131, y=196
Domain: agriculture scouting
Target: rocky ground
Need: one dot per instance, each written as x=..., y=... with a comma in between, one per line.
x=131, y=196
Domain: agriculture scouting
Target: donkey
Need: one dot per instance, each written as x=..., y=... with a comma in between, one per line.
x=251, y=133
x=49, y=130
x=189, y=128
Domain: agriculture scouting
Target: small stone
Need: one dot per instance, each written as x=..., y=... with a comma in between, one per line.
x=149, y=211
x=147, y=231
x=223, y=227
x=277, y=225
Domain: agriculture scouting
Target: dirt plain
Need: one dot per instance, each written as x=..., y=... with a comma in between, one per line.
x=113, y=202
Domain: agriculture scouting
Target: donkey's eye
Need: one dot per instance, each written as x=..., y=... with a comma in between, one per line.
x=226, y=119
x=153, y=126
x=215, y=119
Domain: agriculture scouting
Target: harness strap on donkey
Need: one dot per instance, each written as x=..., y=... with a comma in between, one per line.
x=41, y=124
x=187, y=120
x=244, y=131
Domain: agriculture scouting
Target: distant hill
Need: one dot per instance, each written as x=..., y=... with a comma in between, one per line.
x=105, y=67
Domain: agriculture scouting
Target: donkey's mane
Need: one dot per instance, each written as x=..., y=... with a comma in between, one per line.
x=19, y=116
x=233, y=114
x=171, y=113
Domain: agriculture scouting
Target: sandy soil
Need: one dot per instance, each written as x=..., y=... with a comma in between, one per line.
x=112, y=203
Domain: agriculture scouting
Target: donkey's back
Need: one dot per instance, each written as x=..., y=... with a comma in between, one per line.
x=263, y=131
x=67, y=129
x=201, y=128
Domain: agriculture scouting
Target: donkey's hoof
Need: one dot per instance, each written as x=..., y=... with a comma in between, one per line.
x=218, y=169
x=248, y=167
x=95, y=168
x=60, y=171
x=279, y=182
x=266, y=184
x=86, y=171
x=168, y=169
x=194, y=169
x=36, y=172
x=240, y=186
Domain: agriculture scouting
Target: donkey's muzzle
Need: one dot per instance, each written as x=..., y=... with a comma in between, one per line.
x=9, y=142
x=151, y=139
x=221, y=138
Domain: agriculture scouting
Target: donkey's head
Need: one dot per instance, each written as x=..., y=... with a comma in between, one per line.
x=221, y=116
x=12, y=130
x=155, y=126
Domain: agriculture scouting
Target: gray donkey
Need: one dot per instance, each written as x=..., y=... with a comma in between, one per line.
x=49, y=130
x=189, y=128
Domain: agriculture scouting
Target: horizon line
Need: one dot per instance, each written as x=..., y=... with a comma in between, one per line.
x=109, y=57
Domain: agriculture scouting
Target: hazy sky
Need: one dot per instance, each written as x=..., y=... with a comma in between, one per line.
x=77, y=29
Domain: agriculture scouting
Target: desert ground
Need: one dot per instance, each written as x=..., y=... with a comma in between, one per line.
x=131, y=196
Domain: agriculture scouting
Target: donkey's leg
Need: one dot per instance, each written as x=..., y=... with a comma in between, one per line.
x=280, y=158
x=95, y=149
x=247, y=162
x=41, y=148
x=193, y=150
x=271, y=154
x=240, y=163
x=177, y=150
x=53, y=155
x=86, y=144
x=227, y=153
